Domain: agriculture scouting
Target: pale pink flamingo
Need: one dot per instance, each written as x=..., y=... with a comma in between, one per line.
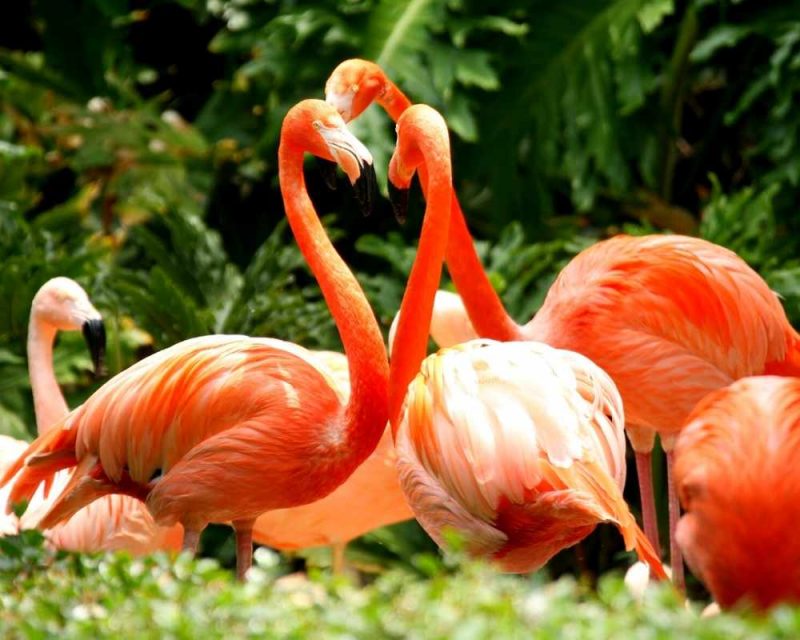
x=114, y=522
x=517, y=447
x=670, y=318
x=225, y=428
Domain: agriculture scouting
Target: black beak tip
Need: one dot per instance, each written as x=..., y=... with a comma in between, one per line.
x=366, y=188
x=399, y=199
x=94, y=332
x=328, y=171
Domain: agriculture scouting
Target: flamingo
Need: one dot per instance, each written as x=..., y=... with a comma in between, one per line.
x=224, y=428
x=517, y=446
x=737, y=475
x=331, y=520
x=670, y=318
x=115, y=522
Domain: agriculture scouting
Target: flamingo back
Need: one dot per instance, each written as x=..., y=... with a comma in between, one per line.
x=670, y=318
x=738, y=479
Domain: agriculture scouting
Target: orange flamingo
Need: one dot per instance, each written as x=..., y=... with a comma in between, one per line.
x=115, y=522
x=737, y=475
x=518, y=447
x=670, y=318
x=225, y=428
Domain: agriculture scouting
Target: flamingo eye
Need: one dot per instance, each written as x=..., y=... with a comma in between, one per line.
x=354, y=88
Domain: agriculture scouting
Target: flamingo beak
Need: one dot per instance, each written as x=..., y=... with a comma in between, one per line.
x=94, y=332
x=399, y=199
x=354, y=159
x=328, y=171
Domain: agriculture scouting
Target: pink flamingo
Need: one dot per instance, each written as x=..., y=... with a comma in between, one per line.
x=518, y=447
x=225, y=428
x=115, y=522
x=737, y=475
x=670, y=318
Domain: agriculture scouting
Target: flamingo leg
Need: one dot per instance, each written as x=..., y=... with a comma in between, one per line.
x=244, y=546
x=675, y=556
x=644, y=470
x=338, y=550
x=191, y=540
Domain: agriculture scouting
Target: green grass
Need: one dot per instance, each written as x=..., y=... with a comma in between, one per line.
x=44, y=595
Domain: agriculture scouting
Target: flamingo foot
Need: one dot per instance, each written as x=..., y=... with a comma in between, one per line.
x=244, y=547
x=644, y=471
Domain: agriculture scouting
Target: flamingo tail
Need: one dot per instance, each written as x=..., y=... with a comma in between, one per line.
x=648, y=555
x=88, y=483
x=46, y=455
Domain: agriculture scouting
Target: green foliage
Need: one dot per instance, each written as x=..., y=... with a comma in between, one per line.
x=111, y=596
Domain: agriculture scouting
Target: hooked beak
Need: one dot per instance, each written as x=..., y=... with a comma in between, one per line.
x=94, y=332
x=399, y=199
x=328, y=171
x=355, y=160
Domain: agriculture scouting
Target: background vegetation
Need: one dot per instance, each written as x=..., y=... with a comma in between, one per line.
x=138, y=154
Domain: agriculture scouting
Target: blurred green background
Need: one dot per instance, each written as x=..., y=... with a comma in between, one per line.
x=138, y=146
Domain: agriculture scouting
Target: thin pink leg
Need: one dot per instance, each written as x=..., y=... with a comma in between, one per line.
x=244, y=547
x=191, y=540
x=644, y=470
x=675, y=556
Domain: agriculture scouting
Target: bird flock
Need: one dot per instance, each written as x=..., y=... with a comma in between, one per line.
x=512, y=436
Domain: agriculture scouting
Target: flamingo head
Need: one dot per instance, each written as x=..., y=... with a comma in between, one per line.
x=353, y=86
x=420, y=125
x=63, y=305
x=317, y=128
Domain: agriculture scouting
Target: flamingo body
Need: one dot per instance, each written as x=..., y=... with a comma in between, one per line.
x=739, y=483
x=518, y=447
x=169, y=428
x=670, y=318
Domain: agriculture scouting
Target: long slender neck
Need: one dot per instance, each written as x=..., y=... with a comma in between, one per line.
x=48, y=401
x=484, y=307
x=367, y=409
x=416, y=309
x=393, y=101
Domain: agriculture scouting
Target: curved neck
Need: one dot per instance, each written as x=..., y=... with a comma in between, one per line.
x=484, y=307
x=416, y=309
x=393, y=101
x=48, y=401
x=366, y=411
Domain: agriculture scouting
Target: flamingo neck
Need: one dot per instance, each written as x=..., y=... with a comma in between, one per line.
x=366, y=411
x=393, y=101
x=483, y=305
x=416, y=309
x=48, y=401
